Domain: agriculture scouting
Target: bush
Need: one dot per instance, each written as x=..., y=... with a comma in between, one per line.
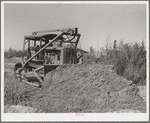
x=132, y=64
x=129, y=61
x=88, y=59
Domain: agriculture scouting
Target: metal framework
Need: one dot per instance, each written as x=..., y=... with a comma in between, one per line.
x=49, y=37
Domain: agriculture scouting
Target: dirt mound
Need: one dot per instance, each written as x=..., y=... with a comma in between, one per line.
x=87, y=88
x=13, y=60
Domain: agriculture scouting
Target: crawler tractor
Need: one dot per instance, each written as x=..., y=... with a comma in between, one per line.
x=44, y=51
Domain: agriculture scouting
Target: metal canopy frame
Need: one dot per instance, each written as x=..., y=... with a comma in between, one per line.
x=69, y=32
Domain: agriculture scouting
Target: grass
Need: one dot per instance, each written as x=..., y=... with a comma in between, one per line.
x=12, y=95
x=15, y=92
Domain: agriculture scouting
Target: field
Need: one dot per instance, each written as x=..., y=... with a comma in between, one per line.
x=89, y=88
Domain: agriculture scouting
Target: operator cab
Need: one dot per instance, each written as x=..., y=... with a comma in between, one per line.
x=54, y=47
x=33, y=43
x=44, y=51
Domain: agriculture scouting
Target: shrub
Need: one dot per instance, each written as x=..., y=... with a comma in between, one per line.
x=11, y=95
x=132, y=65
x=88, y=58
x=129, y=61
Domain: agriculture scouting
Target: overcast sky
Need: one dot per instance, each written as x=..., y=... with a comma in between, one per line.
x=95, y=22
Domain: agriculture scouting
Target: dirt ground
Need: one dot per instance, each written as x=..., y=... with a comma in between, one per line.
x=78, y=88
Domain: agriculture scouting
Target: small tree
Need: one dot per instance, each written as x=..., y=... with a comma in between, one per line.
x=92, y=51
x=10, y=53
x=115, y=44
x=121, y=44
x=108, y=43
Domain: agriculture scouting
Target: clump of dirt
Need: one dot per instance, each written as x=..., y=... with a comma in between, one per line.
x=87, y=88
x=20, y=109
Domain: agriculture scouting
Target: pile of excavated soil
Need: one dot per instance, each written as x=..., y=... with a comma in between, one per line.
x=87, y=88
x=13, y=60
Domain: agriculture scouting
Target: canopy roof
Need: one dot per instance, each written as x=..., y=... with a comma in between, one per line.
x=47, y=36
x=39, y=36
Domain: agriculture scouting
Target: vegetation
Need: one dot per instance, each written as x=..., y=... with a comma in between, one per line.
x=129, y=60
x=13, y=52
x=16, y=92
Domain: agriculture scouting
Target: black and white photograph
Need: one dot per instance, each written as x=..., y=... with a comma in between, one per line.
x=75, y=61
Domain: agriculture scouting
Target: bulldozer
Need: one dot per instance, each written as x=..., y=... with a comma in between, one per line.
x=44, y=51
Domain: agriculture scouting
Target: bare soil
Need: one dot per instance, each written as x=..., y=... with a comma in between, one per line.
x=77, y=88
